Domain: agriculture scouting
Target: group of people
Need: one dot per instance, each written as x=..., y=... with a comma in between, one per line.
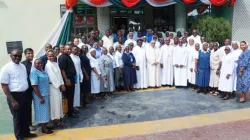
x=84, y=70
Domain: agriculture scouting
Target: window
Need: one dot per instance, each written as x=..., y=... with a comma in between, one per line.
x=84, y=19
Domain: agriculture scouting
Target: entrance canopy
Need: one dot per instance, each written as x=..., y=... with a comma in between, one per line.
x=154, y=3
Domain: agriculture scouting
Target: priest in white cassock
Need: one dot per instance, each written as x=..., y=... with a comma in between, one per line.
x=167, y=69
x=107, y=40
x=180, y=64
x=79, y=75
x=153, y=57
x=196, y=37
x=141, y=70
x=130, y=39
x=157, y=43
x=191, y=64
x=236, y=51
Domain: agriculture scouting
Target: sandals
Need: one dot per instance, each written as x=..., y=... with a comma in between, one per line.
x=225, y=98
x=216, y=93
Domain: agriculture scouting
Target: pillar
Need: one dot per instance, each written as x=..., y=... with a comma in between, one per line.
x=241, y=21
x=180, y=17
x=103, y=19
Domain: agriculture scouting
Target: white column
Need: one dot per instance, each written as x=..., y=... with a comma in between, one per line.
x=180, y=17
x=103, y=19
x=241, y=21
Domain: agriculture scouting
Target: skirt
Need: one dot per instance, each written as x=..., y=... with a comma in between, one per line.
x=95, y=84
x=41, y=111
x=118, y=78
x=56, y=111
x=202, y=77
x=86, y=85
x=214, y=79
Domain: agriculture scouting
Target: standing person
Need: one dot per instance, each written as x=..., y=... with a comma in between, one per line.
x=56, y=50
x=107, y=78
x=211, y=46
x=95, y=74
x=191, y=65
x=61, y=47
x=167, y=69
x=226, y=74
x=41, y=92
x=98, y=49
x=107, y=39
x=84, y=42
x=56, y=89
x=214, y=71
x=44, y=57
x=144, y=43
x=130, y=39
x=227, y=42
x=118, y=70
x=29, y=54
x=129, y=72
x=153, y=57
x=236, y=51
x=202, y=68
x=176, y=42
x=119, y=42
x=141, y=70
x=86, y=68
x=68, y=72
x=78, y=78
x=149, y=35
x=180, y=64
x=243, y=72
x=195, y=36
x=13, y=79
x=91, y=39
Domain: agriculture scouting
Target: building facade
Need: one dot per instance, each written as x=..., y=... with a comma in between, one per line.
x=32, y=21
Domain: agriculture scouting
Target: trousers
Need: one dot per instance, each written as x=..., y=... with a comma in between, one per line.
x=20, y=121
x=69, y=94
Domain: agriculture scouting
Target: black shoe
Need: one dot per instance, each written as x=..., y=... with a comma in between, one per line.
x=73, y=116
x=31, y=136
x=199, y=91
x=76, y=111
x=47, y=132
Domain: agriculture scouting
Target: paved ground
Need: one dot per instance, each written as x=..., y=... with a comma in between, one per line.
x=151, y=115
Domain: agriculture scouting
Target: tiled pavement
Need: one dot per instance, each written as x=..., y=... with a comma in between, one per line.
x=238, y=130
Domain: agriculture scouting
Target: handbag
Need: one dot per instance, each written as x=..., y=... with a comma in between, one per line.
x=65, y=105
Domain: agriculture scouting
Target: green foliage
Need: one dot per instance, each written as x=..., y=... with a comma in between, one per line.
x=214, y=29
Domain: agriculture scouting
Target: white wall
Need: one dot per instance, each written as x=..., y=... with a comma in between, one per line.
x=241, y=21
x=29, y=21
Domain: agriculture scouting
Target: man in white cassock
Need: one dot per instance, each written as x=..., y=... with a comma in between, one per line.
x=107, y=40
x=167, y=69
x=196, y=37
x=130, y=40
x=153, y=57
x=180, y=64
x=141, y=70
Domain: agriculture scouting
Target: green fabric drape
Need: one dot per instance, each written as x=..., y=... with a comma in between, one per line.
x=119, y=4
x=65, y=35
x=198, y=2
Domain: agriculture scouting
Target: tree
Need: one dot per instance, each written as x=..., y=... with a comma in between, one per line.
x=214, y=29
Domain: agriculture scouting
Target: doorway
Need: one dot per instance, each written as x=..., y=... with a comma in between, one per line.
x=119, y=21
